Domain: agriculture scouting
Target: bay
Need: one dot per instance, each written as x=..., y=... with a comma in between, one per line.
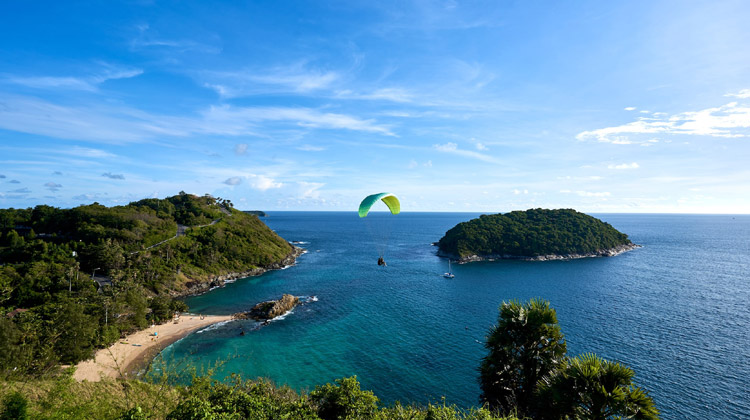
x=676, y=310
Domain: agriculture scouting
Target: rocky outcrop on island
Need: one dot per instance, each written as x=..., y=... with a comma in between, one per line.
x=611, y=252
x=270, y=309
x=534, y=235
x=199, y=287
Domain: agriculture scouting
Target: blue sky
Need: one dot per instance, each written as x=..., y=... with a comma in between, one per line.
x=616, y=106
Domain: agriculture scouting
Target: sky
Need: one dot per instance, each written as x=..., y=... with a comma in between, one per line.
x=476, y=106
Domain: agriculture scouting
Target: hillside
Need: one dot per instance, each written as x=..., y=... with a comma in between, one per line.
x=75, y=279
x=532, y=234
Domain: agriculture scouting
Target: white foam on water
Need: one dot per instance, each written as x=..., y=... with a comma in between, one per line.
x=213, y=326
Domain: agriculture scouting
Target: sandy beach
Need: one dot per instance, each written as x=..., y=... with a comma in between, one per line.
x=132, y=352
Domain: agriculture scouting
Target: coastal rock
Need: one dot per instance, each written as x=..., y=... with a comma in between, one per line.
x=611, y=252
x=270, y=309
x=199, y=287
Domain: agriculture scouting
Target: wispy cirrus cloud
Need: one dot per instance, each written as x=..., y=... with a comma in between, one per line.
x=453, y=148
x=384, y=94
x=113, y=124
x=581, y=193
x=304, y=117
x=311, y=148
x=295, y=78
x=727, y=121
x=89, y=82
x=149, y=38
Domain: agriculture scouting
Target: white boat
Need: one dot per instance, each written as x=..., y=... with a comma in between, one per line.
x=449, y=274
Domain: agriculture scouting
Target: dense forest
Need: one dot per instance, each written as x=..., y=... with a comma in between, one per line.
x=531, y=233
x=72, y=280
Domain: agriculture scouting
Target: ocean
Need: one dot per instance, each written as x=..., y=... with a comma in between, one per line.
x=675, y=310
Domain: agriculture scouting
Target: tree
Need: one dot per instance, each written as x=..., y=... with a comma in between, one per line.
x=344, y=401
x=525, y=346
x=588, y=387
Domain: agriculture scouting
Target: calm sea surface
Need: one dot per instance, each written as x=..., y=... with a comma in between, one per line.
x=676, y=310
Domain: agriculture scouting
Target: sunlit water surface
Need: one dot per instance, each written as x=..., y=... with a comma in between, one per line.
x=676, y=310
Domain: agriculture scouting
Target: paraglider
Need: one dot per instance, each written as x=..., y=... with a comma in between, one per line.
x=394, y=206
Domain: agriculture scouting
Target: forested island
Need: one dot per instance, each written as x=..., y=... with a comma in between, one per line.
x=73, y=280
x=535, y=234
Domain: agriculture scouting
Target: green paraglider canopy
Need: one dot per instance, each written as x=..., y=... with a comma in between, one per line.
x=389, y=199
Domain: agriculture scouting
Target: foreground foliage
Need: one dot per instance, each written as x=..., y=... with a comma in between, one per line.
x=531, y=233
x=209, y=400
x=73, y=280
x=588, y=387
x=526, y=372
x=525, y=346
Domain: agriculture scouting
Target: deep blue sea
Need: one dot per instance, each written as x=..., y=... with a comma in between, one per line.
x=675, y=310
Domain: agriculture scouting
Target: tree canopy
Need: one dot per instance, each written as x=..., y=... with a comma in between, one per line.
x=87, y=275
x=531, y=233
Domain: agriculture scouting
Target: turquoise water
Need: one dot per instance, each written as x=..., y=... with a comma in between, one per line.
x=675, y=310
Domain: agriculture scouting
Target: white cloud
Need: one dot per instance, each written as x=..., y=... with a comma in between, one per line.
x=240, y=149
x=633, y=165
x=113, y=124
x=263, y=183
x=309, y=189
x=385, y=94
x=86, y=83
x=587, y=193
x=305, y=117
x=310, y=148
x=147, y=38
x=412, y=164
x=482, y=147
x=451, y=147
x=744, y=93
x=235, y=180
x=447, y=147
x=88, y=152
x=730, y=120
x=293, y=78
x=630, y=108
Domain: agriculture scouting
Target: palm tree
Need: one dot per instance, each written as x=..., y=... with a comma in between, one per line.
x=525, y=346
x=591, y=388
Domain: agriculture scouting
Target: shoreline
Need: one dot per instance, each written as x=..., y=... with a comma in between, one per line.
x=199, y=287
x=135, y=351
x=554, y=257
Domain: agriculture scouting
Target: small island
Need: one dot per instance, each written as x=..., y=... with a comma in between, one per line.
x=535, y=234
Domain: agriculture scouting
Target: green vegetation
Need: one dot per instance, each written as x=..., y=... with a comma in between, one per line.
x=73, y=280
x=525, y=346
x=526, y=372
x=531, y=233
x=63, y=398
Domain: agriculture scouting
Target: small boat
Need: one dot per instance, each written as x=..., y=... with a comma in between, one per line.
x=449, y=274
